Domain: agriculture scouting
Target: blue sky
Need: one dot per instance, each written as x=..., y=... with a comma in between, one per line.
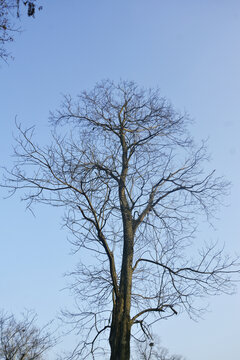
x=191, y=51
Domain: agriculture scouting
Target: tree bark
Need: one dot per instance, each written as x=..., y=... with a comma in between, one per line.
x=120, y=333
x=121, y=323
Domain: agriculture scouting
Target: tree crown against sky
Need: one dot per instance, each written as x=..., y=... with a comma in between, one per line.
x=133, y=186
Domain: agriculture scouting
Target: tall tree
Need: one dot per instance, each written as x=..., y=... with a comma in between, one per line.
x=133, y=185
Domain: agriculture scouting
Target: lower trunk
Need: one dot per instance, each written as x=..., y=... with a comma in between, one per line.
x=121, y=324
x=120, y=334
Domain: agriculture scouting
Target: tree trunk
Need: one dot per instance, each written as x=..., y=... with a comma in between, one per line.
x=121, y=324
x=120, y=334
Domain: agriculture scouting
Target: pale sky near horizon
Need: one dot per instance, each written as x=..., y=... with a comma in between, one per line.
x=191, y=51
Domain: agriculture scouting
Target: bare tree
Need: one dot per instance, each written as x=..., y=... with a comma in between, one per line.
x=9, y=12
x=132, y=182
x=150, y=350
x=23, y=340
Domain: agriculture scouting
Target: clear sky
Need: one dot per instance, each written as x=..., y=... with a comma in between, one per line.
x=191, y=50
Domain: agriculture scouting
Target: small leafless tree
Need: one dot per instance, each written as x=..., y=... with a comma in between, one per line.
x=133, y=185
x=150, y=350
x=23, y=340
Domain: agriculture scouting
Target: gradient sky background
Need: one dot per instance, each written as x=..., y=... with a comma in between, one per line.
x=191, y=50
